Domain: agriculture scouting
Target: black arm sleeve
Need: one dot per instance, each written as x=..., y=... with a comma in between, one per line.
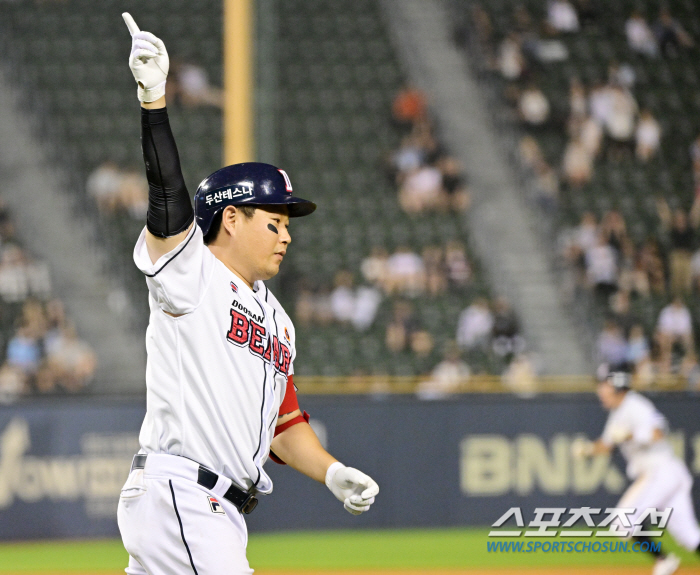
x=169, y=207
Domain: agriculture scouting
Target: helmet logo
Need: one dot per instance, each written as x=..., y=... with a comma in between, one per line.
x=239, y=191
x=287, y=182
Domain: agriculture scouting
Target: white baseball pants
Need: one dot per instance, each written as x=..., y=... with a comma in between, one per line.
x=669, y=484
x=170, y=525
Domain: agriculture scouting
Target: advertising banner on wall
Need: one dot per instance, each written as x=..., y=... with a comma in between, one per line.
x=463, y=461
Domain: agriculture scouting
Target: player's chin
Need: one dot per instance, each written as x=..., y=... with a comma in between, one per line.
x=272, y=269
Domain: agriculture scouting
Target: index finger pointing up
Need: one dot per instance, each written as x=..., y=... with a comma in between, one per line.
x=130, y=24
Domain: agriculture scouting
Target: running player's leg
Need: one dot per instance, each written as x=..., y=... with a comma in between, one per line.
x=683, y=524
x=173, y=529
x=653, y=489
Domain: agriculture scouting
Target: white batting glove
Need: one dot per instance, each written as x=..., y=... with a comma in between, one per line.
x=148, y=61
x=349, y=485
x=581, y=448
x=619, y=434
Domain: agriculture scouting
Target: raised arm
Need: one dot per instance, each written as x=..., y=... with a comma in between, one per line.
x=170, y=213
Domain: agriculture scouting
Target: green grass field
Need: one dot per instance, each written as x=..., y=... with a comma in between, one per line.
x=335, y=550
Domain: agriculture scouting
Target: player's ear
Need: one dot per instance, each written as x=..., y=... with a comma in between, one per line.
x=229, y=217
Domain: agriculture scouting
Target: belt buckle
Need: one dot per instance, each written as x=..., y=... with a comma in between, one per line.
x=250, y=503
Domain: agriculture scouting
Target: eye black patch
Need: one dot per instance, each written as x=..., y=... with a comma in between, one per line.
x=272, y=228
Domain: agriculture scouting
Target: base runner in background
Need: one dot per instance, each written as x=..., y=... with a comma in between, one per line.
x=221, y=351
x=659, y=479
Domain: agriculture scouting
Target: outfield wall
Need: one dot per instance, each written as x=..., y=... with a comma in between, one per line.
x=459, y=462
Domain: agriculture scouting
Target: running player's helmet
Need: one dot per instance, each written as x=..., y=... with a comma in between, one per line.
x=620, y=380
x=248, y=184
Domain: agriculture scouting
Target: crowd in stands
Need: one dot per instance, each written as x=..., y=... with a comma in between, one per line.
x=427, y=178
x=42, y=351
x=604, y=122
x=390, y=284
x=118, y=190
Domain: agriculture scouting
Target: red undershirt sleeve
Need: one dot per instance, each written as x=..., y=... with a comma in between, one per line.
x=289, y=405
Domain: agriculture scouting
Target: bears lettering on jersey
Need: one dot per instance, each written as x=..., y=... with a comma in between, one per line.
x=248, y=331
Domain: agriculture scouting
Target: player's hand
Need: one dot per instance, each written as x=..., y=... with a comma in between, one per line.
x=581, y=448
x=355, y=489
x=619, y=434
x=148, y=61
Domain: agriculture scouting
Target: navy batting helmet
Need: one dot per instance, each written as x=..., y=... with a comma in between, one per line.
x=248, y=184
x=620, y=380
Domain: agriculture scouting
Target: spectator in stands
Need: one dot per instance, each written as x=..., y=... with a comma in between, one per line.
x=621, y=75
x=304, y=311
x=355, y=306
x=648, y=136
x=561, y=16
x=639, y=35
x=670, y=34
x=611, y=345
x=675, y=326
x=453, y=184
x=14, y=283
x=633, y=277
x=435, y=272
x=638, y=353
x=422, y=190
x=475, y=325
x=577, y=164
x=405, y=272
x=401, y=327
x=600, y=102
x=133, y=194
x=367, y=300
x=511, y=61
x=653, y=265
x=313, y=306
x=23, y=352
x=601, y=269
x=409, y=157
x=374, y=267
x=13, y=383
x=533, y=106
x=409, y=106
x=591, y=136
x=459, y=271
x=586, y=234
x=447, y=377
x=192, y=87
x=530, y=152
x=71, y=360
x=578, y=105
x=343, y=297
x=506, y=340
x=104, y=186
x=682, y=242
x=621, y=121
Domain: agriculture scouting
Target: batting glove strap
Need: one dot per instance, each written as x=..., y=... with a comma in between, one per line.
x=152, y=94
x=349, y=485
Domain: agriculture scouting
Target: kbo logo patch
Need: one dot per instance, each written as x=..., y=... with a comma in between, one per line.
x=215, y=505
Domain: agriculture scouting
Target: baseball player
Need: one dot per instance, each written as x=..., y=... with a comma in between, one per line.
x=221, y=351
x=659, y=479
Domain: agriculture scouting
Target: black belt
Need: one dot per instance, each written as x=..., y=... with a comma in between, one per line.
x=245, y=502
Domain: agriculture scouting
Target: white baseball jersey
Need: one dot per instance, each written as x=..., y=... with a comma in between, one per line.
x=638, y=416
x=216, y=375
